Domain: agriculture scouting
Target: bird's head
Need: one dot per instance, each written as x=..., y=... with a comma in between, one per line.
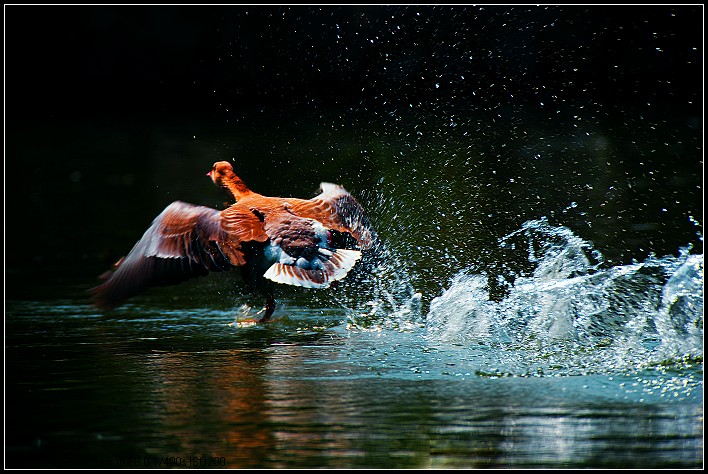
x=220, y=171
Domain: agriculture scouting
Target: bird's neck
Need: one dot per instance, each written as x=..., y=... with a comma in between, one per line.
x=236, y=187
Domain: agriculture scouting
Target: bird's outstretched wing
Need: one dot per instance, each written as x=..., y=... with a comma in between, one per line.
x=183, y=242
x=336, y=209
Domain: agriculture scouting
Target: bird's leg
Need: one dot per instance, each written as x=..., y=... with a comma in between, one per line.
x=270, y=307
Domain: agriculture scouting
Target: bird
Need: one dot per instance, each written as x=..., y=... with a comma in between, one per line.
x=311, y=243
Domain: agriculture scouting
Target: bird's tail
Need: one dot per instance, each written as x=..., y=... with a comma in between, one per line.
x=331, y=265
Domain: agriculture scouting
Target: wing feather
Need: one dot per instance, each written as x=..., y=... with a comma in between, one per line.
x=183, y=242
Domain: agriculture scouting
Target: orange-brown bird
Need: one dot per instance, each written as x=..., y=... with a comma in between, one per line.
x=271, y=239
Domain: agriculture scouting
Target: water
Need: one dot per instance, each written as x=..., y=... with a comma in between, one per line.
x=578, y=365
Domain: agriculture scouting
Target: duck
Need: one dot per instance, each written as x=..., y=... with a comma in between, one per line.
x=310, y=243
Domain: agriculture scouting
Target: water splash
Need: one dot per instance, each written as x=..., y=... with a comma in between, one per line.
x=570, y=315
x=391, y=300
x=379, y=293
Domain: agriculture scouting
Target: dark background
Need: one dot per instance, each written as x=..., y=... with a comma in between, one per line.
x=112, y=112
x=160, y=62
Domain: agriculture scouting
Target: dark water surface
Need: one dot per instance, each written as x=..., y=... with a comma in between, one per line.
x=535, y=176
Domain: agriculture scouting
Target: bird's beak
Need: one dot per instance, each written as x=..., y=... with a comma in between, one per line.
x=211, y=174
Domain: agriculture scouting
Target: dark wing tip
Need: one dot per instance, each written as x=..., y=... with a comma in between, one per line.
x=104, y=296
x=139, y=274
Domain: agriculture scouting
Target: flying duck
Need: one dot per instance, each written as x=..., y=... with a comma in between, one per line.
x=272, y=240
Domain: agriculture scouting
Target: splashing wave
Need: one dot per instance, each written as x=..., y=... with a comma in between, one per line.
x=570, y=315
